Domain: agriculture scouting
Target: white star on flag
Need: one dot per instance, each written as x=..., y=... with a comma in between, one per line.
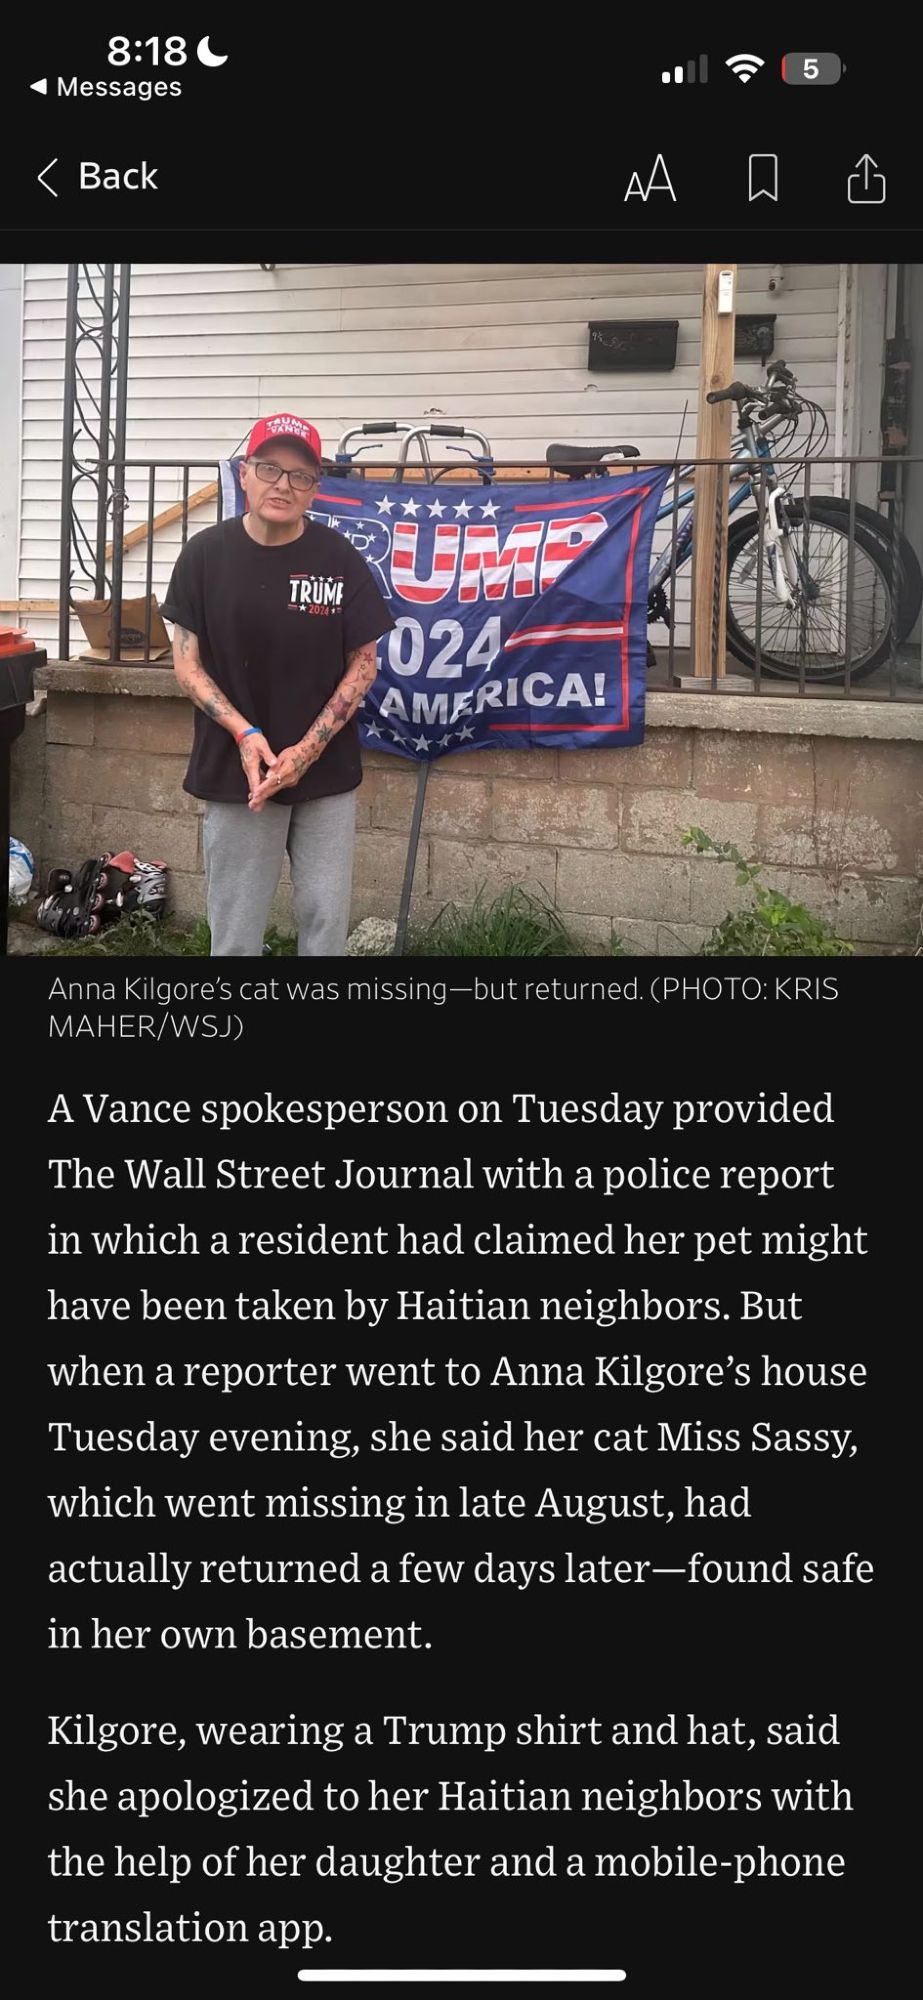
x=385, y=506
x=395, y=736
x=489, y=511
x=411, y=507
x=465, y=733
x=421, y=743
x=444, y=741
x=463, y=509
x=372, y=729
x=436, y=508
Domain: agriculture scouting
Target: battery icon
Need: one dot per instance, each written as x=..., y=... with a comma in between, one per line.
x=803, y=68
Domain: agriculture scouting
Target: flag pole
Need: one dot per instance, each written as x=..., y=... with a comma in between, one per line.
x=403, y=913
x=411, y=862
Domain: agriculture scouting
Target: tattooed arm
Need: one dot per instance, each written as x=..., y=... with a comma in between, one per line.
x=203, y=691
x=291, y=765
x=361, y=668
x=199, y=686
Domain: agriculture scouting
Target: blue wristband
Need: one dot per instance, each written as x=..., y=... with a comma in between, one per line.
x=247, y=732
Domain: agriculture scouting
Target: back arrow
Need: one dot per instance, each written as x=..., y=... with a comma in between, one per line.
x=47, y=170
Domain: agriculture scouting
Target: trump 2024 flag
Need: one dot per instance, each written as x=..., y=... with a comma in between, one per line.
x=521, y=610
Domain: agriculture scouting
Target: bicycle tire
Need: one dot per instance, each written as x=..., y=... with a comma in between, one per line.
x=910, y=575
x=870, y=549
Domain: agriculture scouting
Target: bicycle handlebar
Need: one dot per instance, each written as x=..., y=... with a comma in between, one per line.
x=776, y=395
x=736, y=392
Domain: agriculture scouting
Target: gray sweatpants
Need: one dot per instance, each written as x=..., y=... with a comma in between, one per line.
x=244, y=852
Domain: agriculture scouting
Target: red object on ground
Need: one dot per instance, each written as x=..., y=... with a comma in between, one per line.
x=14, y=641
x=129, y=863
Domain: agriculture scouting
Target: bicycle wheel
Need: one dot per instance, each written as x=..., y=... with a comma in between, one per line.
x=907, y=577
x=814, y=625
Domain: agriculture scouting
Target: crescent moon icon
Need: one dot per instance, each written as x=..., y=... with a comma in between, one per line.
x=207, y=56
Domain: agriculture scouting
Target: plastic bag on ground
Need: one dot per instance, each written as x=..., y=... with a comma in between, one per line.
x=22, y=870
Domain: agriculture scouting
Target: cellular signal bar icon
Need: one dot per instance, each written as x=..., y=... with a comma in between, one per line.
x=689, y=72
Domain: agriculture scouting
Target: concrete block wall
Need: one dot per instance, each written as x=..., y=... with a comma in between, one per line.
x=828, y=793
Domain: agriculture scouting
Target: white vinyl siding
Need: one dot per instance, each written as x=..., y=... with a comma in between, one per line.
x=501, y=347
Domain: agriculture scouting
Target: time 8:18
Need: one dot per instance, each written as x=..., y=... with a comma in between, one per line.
x=173, y=50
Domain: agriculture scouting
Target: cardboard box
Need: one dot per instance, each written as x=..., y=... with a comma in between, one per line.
x=95, y=615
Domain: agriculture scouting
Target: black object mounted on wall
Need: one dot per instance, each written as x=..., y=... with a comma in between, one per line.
x=16, y=689
x=617, y=344
x=754, y=333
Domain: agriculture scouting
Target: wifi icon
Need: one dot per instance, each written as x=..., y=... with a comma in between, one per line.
x=744, y=66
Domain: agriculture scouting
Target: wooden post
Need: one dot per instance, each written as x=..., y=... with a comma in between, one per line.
x=713, y=440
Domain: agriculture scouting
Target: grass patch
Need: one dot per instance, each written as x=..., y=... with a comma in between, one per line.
x=515, y=925
x=146, y=937
x=141, y=936
x=279, y=945
x=136, y=936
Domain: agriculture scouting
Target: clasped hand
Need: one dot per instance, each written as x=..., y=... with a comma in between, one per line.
x=281, y=772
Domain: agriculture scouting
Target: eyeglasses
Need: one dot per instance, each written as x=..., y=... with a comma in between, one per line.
x=300, y=482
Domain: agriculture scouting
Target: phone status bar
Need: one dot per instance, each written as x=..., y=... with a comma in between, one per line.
x=796, y=67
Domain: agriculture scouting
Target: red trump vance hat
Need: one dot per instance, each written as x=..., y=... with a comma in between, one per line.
x=287, y=429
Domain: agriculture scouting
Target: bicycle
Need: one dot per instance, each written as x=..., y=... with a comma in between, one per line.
x=800, y=570
x=799, y=597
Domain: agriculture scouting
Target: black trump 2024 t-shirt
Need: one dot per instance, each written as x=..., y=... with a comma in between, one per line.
x=274, y=626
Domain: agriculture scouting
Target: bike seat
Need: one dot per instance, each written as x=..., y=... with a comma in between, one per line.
x=579, y=459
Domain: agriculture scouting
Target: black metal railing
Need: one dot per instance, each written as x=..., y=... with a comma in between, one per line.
x=147, y=472
x=888, y=669
x=880, y=662
x=94, y=419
